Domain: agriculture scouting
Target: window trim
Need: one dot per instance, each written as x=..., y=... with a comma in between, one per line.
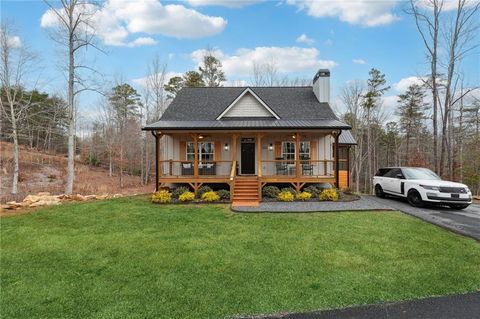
x=309, y=153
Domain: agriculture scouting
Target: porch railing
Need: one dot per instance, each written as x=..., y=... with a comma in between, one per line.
x=306, y=168
x=179, y=169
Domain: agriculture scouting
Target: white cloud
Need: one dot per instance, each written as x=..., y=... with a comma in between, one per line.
x=286, y=59
x=359, y=61
x=402, y=85
x=222, y=3
x=168, y=76
x=14, y=42
x=142, y=41
x=303, y=38
x=362, y=12
x=116, y=20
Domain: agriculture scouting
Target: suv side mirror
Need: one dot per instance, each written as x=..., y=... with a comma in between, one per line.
x=399, y=176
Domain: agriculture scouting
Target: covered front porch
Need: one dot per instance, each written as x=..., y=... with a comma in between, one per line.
x=285, y=157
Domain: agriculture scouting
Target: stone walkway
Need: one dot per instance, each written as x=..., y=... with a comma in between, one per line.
x=363, y=204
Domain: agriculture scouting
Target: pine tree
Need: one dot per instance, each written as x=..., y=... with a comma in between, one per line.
x=211, y=71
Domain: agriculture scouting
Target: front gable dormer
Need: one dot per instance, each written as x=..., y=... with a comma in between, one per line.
x=248, y=104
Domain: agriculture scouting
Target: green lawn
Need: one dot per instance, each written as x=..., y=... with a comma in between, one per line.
x=127, y=258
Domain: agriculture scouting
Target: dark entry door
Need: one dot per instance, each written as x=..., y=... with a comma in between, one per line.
x=248, y=158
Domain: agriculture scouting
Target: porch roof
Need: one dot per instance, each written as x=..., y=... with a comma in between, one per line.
x=247, y=124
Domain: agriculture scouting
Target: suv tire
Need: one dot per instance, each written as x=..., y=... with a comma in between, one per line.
x=415, y=199
x=379, y=191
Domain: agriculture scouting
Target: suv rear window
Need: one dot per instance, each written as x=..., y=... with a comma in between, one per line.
x=382, y=171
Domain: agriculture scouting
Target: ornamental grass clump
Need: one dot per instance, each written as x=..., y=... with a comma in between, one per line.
x=270, y=191
x=186, y=196
x=179, y=191
x=223, y=194
x=303, y=196
x=210, y=196
x=162, y=197
x=289, y=189
x=328, y=195
x=285, y=196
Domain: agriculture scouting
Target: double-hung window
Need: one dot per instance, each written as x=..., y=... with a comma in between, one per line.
x=206, y=151
x=288, y=150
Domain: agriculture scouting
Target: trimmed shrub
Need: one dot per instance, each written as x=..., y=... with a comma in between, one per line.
x=270, y=191
x=312, y=190
x=285, y=196
x=186, y=196
x=223, y=194
x=202, y=190
x=162, y=197
x=179, y=191
x=322, y=186
x=289, y=189
x=210, y=196
x=329, y=194
x=304, y=196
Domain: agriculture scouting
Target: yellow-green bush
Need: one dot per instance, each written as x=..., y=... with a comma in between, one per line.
x=186, y=197
x=210, y=196
x=304, y=196
x=285, y=196
x=162, y=197
x=329, y=194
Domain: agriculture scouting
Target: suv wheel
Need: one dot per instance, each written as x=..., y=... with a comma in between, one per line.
x=379, y=191
x=415, y=199
x=458, y=206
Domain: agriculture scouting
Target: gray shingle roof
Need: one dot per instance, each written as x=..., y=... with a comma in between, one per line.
x=199, y=107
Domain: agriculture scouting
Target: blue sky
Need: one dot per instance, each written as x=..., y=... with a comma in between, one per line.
x=349, y=37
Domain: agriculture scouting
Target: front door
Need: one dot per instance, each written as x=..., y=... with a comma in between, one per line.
x=248, y=158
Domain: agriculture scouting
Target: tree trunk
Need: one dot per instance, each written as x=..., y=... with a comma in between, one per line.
x=15, y=151
x=71, y=119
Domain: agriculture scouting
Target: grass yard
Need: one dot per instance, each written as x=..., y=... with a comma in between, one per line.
x=128, y=258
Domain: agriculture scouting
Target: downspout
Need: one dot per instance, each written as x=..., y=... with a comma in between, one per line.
x=154, y=133
x=337, y=162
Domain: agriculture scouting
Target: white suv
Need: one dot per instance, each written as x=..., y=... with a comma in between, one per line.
x=420, y=186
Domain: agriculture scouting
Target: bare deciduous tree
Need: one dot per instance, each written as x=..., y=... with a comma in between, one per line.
x=16, y=65
x=74, y=31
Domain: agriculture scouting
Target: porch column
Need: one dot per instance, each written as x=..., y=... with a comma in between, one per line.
x=195, y=160
x=234, y=147
x=297, y=154
x=157, y=158
x=337, y=162
x=259, y=155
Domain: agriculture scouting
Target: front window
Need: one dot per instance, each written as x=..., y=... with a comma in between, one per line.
x=288, y=150
x=206, y=151
x=420, y=173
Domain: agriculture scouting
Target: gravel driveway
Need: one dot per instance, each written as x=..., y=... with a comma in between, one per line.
x=465, y=221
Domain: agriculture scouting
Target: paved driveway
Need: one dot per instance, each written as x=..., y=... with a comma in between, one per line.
x=465, y=221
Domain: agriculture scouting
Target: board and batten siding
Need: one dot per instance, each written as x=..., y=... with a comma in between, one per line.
x=248, y=106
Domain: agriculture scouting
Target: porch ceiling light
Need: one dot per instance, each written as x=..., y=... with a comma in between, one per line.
x=201, y=136
x=294, y=136
x=226, y=147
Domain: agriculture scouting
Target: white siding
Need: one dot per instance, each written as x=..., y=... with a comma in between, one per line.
x=248, y=106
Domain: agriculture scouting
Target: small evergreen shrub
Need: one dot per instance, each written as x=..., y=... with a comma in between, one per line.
x=202, y=190
x=179, y=191
x=223, y=194
x=210, y=196
x=270, y=191
x=328, y=194
x=289, y=189
x=304, y=196
x=285, y=196
x=186, y=196
x=162, y=197
x=312, y=190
